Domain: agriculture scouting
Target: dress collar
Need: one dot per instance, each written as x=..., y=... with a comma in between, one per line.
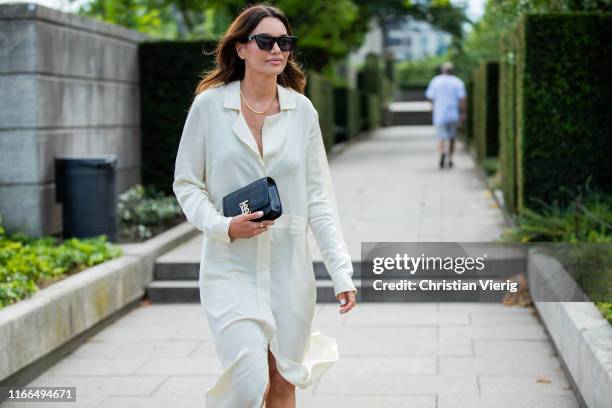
x=231, y=100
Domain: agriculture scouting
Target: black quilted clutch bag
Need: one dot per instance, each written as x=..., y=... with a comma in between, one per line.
x=260, y=195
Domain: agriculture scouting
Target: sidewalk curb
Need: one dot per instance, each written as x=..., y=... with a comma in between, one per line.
x=580, y=335
x=510, y=221
x=339, y=148
x=37, y=332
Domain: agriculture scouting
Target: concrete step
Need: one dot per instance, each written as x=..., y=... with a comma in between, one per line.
x=408, y=113
x=495, y=267
x=408, y=118
x=414, y=94
x=176, y=278
x=168, y=270
x=187, y=291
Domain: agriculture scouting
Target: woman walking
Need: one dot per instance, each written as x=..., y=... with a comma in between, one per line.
x=249, y=119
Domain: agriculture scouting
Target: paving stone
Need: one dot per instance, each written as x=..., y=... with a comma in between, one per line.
x=82, y=401
x=522, y=401
x=98, y=366
x=531, y=365
x=185, y=386
x=154, y=332
x=154, y=402
x=412, y=401
x=100, y=385
x=512, y=348
x=504, y=332
x=181, y=366
x=393, y=385
x=127, y=349
x=524, y=385
x=380, y=365
x=407, y=317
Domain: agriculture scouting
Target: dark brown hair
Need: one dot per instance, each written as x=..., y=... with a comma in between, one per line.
x=229, y=67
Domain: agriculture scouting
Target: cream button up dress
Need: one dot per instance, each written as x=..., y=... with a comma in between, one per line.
x=260, y=292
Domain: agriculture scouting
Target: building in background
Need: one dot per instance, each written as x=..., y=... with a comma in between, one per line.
x=410, y=39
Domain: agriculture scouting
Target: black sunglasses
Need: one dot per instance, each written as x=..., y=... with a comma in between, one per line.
x=266, y=42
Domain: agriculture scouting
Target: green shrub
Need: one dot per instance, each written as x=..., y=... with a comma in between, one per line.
x=169, y=73
x=556, y=87
x=490, y=165
x=145, y=211
x=347, y=109
x=29, y=264
x=410, y=74
x=374, y=111
x=485, y=110
x=507, y=122
x=587, y=219
x=468, y=128
x=590, y=266
x=320, y=91
x=583, y=220
x=606, y=310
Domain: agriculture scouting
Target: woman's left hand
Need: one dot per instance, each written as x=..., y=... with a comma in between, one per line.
x=347, y=301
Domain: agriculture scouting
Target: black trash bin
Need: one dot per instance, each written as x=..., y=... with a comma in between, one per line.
x=86, y=186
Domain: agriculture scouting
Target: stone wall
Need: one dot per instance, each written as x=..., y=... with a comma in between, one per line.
x=69, y=85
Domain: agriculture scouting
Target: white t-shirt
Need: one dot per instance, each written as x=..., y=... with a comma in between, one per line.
x=445, y=91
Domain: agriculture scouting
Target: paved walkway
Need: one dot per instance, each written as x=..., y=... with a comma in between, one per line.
x=464, y=355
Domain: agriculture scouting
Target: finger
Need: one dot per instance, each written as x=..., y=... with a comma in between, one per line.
x=259, y=227
x=253, y=215
x=346, y=298
x=347, y=307
x=347, y=303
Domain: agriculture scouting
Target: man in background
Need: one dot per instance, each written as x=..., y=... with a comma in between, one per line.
x=447, y=94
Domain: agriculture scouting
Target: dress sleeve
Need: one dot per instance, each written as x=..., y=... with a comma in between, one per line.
x=323, y=214
x=189, y=174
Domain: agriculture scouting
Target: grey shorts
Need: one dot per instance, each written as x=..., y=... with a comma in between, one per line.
x=446, y=131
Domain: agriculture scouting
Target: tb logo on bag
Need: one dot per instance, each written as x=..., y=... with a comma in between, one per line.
x=244, y=207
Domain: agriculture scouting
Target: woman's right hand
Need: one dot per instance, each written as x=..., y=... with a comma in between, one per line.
x=243, y=226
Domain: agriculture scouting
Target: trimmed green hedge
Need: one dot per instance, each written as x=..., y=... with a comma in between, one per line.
x=557, y=86
x=507, y=122
x=320, y=91
x=375, y=90
x=469, y=119
x=169, y=72
x=485, y=111
x=348, y=113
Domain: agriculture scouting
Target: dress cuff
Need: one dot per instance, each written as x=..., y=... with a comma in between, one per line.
x=220, y=230
x=342, y=283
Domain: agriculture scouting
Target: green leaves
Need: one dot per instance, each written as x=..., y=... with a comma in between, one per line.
x=583, y=221
x=27, y=264
x=143, y=212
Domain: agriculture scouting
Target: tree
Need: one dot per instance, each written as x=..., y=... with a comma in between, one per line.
x=334, y=27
